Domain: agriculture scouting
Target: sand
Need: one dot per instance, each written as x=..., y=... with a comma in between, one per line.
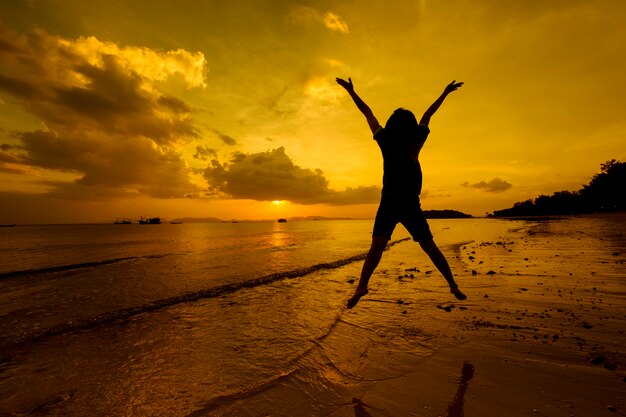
x=542, y=333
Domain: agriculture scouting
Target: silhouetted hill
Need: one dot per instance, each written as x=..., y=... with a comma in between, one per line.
x=304, y=218
x=605, y=192
x=445, y=214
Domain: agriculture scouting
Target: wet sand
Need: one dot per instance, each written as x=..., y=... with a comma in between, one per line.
x=541, y=334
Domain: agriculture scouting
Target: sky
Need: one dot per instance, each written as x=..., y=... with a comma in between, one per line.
x=230, y=109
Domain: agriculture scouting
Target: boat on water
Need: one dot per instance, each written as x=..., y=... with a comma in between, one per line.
x=122, y=221
x=282, y=220
x=175, y=222
x=150, y=220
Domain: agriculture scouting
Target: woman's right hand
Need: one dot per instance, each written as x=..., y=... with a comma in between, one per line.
x=346, y=84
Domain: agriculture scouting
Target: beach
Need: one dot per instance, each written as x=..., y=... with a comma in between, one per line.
x=541, y=334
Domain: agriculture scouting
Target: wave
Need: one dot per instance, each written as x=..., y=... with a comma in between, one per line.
x=108, y=317
x=71, y=267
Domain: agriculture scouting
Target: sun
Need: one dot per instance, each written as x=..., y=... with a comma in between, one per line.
x=278, y=203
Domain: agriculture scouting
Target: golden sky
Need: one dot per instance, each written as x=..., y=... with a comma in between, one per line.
x=219, y=108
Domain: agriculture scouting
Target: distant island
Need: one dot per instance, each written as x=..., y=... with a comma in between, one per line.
x=306, y=218
x=445, y=214
x=606, y=192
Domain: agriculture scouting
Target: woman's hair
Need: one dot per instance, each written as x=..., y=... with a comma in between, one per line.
x=402, y=124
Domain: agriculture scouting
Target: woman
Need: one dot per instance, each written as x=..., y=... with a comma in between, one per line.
x=400, y=141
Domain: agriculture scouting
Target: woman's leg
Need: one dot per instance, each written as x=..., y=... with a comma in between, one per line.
x=371, y=262
x=441, y=263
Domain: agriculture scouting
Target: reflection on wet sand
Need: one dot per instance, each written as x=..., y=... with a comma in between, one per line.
x=359, y=409
x=455, y=409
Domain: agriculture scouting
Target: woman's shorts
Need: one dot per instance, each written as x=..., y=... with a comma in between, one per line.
x=408, y=212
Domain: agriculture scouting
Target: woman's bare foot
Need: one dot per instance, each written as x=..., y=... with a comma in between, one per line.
x=454, y=289
x=356, y=297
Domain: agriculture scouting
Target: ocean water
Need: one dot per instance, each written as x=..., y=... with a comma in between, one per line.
x=55, y=278
x=201, y=318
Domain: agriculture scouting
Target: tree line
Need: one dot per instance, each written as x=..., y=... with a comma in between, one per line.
x=605, y=192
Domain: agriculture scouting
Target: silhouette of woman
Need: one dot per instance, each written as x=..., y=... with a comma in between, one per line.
x=400, y=141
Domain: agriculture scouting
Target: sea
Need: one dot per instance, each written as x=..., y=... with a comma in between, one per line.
x=56, y=278
x=181, y=319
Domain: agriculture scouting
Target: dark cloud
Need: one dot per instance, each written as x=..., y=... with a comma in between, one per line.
x=49, y=150
x=17, y=87
x=105, y=120
x=174, y=104
x=108, y=167
x=267, y=175
x=228, y=140
x=272, y=175
x=12, y=169
x=8, y=156
x=6, y=147
x=203, y=153
x=115, y=101
x=495, y=185
x=431, y=194
x=7, y=47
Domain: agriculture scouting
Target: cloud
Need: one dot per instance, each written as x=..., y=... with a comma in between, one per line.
x=228, y=140
x=104, y=118
x=495, y=185
x=430, y=194
x=152, y=65
x=335, y=63
x=305, y=16
x=6, y=156
x=204, y=152
x=272, y=175
x=13, y=169
x=6, y=147
x=335, y=22
x=119, y=164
